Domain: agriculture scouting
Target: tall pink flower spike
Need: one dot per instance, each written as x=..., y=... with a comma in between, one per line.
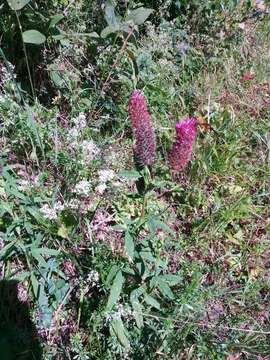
x=145, y=145
x=181, y=153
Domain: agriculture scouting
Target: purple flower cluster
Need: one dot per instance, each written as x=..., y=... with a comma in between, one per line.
x=145, y=145
x=181, y=152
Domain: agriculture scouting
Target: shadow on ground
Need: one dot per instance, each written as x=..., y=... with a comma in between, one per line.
x=18, y=336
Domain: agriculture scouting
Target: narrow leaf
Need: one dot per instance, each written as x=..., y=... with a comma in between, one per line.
x=137, y=307
x=129, y=245
x=115, y=291
x=120, y=331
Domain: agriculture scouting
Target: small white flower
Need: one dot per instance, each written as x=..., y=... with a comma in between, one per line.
x=48, y=212
x=80, y=121
x=73, y=204
x=82, y=188
x=59, y=206
x=72, y=134
x=117, y=184
x=89, y=151
x=106, y=175
x=92, y=278
x=23, y=185
x=101, y=188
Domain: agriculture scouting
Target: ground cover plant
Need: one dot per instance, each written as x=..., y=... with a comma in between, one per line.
x=134, y=180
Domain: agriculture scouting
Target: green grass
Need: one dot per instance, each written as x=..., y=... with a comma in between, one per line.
x=178, y=271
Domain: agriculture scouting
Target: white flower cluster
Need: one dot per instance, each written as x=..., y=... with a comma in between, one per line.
x=89, y=151
x=92, y=278
x=74, y=133
x=6, y=73
x=104, y=177
x=121, y=312
x=83, y=188
x=73, y=204
x=80, y=121
x=50, y=212
x=72, y=137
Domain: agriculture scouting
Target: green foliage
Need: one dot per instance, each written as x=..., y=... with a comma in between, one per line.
x=118, y=263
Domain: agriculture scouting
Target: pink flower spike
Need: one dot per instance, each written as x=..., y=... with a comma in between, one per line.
x=181, y=153
x=145, y=145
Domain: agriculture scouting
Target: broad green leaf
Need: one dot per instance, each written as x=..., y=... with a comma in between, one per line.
x=128, y=270
x=165, y=290
x=17, y=4
x=171, y=279
x=45, y=251
x=33, y=37
x=109, y=30
x=155, y=224
x=138, y=16
x=152, y=302
x=135, y=294
x=115, y=291
x=129, y=245
x=56, y=19
x=110, y=14
x=120, y=331
x=130, y=174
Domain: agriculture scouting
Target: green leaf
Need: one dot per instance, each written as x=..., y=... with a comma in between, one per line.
x=138, y=16
x=155, y=224
x=152, y=302
x=137, y=307
x=130, y=174
x=45, y=251
x=129, y=245
x=171, y=279
x=165, y=290
x=63, y=232
x=110, y=14
x=109, y=30
x=6, y=249
x=115, y=290
x=35, y=284
x=33, y=37
x=56, y=19
x=120, y=332
x=17, y=4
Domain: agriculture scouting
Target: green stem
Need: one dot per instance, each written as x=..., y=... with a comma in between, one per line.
x=26, y=57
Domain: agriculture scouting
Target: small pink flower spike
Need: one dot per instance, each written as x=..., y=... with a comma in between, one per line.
x=181, y=152
x=145, y=145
